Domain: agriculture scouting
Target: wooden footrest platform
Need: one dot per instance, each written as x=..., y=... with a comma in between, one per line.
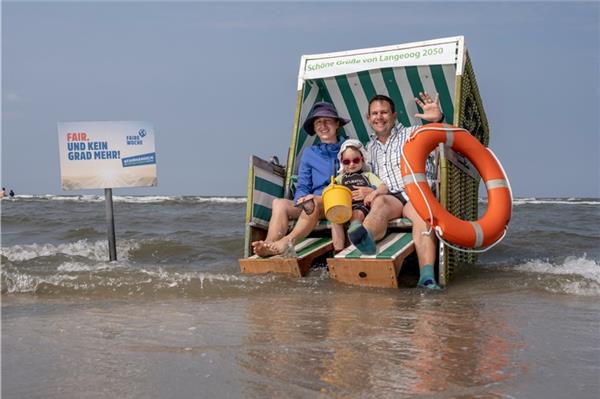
x=306, y=250
x=379, y=270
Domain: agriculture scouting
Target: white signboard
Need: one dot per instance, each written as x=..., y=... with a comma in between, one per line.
x=106, y=155
x=435, y=52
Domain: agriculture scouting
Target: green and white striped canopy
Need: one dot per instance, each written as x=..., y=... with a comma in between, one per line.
x=400, y=72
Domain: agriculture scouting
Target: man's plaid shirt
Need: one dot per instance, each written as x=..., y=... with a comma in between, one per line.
x=384, y=159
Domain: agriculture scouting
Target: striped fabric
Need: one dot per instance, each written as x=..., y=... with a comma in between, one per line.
x=389, y=248
x=267, y=186
x=351, y=94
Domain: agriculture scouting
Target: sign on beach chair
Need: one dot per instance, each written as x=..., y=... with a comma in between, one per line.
x=306, y=252
x=379, y=270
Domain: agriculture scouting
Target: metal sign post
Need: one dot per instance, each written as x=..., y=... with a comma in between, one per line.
x=110, y=224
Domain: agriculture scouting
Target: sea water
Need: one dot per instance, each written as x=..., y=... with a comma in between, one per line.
x=174, y=318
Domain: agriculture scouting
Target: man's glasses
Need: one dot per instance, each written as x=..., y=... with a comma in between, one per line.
x=355, y=161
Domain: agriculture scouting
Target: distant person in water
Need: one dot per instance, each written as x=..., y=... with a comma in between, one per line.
x=11, y=194
x=317, y=164
x=3, y=192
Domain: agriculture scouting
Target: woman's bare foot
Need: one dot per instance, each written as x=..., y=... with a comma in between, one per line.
x=265, y=248
x=261, y=248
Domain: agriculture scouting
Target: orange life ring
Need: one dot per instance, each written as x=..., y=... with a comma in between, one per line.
x=477, y=234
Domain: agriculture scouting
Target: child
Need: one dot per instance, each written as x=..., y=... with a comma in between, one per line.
x=353, y=173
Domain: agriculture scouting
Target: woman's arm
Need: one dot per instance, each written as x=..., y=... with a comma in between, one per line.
x=304, y=186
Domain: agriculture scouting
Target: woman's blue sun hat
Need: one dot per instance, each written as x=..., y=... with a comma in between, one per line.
x=321, y=110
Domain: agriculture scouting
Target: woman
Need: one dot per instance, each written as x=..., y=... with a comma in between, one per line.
x=317, y=164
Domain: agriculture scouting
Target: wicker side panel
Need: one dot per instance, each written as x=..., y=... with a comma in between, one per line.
x=472, y=115
x=463, y=191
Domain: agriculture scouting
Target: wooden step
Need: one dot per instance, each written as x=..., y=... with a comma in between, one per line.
x=379, y=270
x=306, y=250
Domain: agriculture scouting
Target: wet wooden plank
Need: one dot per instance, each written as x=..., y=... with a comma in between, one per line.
x=306, y=250
x=379, y=270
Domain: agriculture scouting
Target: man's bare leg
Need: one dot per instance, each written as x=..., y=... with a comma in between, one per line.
x=365, y=235
x=425, y=245
x=383, y=209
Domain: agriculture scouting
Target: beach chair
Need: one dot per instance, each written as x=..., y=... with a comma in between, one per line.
x=348, y=79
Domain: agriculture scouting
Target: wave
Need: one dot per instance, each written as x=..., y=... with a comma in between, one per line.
x=550, y=201
x=578, y=275
x=134, y=250
x=73, y=267
x=97, y=251
x=555, y=201
x=118, y=280
x=134, y=199
x=147, y=266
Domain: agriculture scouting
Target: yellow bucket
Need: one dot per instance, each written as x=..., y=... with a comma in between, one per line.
x=337, y=201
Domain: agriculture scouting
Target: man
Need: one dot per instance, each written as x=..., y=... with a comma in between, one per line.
x=317, y=164
x=384, y=150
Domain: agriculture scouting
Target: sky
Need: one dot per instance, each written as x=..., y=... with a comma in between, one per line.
x=218, y=82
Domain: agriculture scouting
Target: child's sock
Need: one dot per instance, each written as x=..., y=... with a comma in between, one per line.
x=361, y=238
x=427, y=280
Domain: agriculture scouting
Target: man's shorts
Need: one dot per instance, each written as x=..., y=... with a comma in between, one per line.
x=401, y=197
x=361, y=207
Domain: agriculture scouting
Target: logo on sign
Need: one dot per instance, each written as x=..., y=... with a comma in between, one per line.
x=137, y=140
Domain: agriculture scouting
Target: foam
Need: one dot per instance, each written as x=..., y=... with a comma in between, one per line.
x=549, y=201
x=173, y=279
x=585, y=271
x=23, y=283
x=97, y=250
x=71, y=267
x=534, y=201
x=187, y=199
x=587, y=268
x=81, y=277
